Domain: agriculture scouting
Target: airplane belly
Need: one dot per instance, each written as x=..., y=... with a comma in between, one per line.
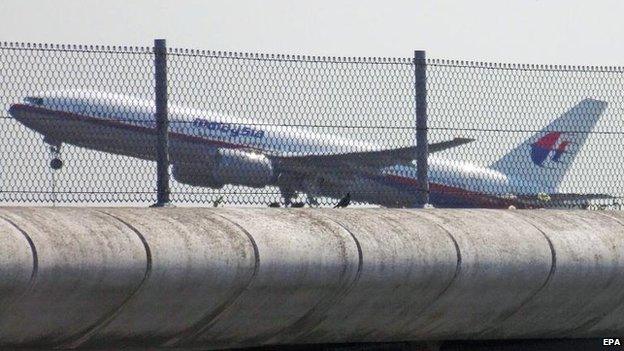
x=368, y=190
x=89, y=132
x=113, y=140
x=108, y=135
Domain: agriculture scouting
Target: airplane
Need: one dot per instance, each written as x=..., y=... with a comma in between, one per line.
x=211, y=149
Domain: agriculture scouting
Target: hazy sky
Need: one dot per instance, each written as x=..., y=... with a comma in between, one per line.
x=555, y=31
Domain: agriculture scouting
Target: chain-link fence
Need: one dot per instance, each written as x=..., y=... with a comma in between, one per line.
x=249, y=129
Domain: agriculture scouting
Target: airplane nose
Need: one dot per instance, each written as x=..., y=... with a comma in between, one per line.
x=15, y=111
x=24, y=114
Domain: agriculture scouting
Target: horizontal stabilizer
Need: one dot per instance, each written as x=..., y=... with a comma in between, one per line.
x=559, y=198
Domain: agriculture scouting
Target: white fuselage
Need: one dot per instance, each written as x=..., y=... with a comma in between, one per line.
x=126, y=125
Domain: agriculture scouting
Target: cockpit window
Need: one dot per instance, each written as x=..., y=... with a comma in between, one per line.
x=33, y=100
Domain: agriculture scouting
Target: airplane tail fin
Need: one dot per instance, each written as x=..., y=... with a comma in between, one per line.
x=541, y=161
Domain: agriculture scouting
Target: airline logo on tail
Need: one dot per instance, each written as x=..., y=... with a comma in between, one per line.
x=544, y=146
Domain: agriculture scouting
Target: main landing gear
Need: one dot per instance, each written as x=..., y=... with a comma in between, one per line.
x=55, y=153
x=288, y=195
x=288, y=183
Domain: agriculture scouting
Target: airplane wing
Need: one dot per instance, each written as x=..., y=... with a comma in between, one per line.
x=377, y=159
x=562, y=199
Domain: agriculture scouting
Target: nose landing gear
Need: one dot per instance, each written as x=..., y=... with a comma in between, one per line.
x=55, y=152
x=56, y=163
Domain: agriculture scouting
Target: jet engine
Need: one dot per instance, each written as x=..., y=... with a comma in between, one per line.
x=228, y=167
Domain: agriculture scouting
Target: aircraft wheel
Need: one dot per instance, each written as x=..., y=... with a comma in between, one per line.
x=56, y=163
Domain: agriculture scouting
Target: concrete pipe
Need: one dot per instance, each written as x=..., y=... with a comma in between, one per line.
x=217, y=278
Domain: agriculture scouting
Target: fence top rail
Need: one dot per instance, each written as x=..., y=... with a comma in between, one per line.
x=76, y=47
x=452, y=63
x=521, y=66
x=201, y=53
x=289, y=57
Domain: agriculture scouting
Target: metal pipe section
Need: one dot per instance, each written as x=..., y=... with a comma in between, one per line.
x=219, y=278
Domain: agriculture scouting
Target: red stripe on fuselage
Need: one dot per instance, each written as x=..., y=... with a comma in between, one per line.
x=121, y=124
x=479, y=199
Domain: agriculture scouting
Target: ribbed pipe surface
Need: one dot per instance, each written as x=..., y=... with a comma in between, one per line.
x=218, y=278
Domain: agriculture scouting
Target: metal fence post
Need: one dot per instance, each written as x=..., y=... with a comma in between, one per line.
x=162, y=123
x=422, y=145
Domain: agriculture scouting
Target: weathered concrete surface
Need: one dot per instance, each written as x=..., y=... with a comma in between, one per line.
x=218, y=278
